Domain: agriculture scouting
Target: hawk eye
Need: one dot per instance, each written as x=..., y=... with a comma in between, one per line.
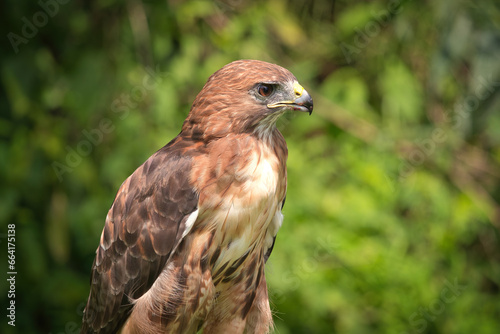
x=265, y=89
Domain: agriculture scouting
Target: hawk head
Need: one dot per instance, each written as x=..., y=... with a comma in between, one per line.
x=245, y=96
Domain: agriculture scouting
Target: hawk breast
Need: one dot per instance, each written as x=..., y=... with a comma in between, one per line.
x=243, y=205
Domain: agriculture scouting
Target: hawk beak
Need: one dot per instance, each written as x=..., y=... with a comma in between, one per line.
x=303, y=101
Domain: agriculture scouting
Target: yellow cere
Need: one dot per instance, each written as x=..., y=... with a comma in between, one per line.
x=298, y=89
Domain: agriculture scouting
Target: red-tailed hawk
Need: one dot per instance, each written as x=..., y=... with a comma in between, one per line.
x=189, y=232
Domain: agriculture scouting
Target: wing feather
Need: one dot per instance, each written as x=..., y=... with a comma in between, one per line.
x=143, y=227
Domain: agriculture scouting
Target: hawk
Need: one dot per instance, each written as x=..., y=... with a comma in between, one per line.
x=185, y=242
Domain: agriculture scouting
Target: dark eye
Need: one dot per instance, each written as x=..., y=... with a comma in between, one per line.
x=265, y=89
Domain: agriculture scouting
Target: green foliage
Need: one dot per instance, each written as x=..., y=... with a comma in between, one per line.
x=392, y=215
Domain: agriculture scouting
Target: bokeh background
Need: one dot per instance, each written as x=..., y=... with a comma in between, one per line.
x=393, y=210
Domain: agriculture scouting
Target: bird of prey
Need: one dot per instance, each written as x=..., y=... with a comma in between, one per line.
x=185, y=242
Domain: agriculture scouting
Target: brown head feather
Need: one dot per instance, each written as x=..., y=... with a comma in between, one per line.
x=225, y=104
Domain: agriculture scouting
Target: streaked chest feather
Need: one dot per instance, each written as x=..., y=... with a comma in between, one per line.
x=248, y=208
x=255, y=182
x=243, y=205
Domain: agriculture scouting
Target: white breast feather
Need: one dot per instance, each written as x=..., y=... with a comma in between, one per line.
x=251, y=211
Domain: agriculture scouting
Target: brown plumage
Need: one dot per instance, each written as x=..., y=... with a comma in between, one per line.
x=186, y=239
